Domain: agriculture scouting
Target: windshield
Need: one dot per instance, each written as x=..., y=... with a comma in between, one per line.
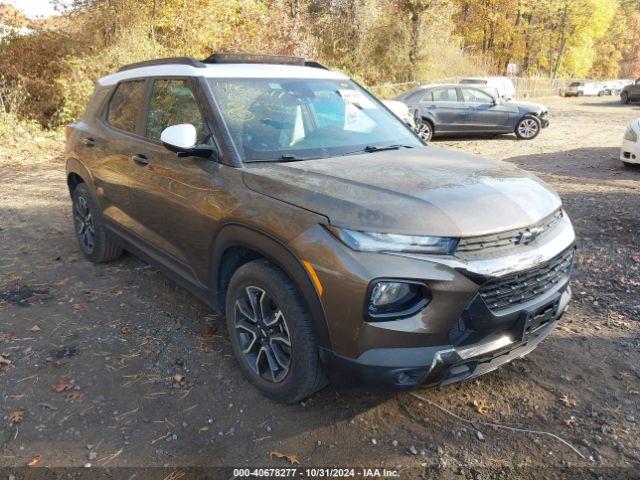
x=576, y=84
x=304, y=119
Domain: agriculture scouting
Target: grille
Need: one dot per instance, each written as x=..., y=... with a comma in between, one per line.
x=517, y=288
x=510, y=237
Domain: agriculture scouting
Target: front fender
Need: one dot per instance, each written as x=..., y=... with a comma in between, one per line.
x=240, y=235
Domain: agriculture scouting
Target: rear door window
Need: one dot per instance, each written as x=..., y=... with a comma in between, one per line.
x=173, y=102
x=125, y=105
x=428, y=97
x=448, y=94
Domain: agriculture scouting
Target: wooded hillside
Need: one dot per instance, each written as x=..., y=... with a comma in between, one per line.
x=48, y=74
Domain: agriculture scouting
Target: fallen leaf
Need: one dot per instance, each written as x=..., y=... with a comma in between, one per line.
x=126, y=329
x=480, y=407
x=35, y=329
x=5, y=368
x=570, y=422
x=203, y=429
x=116, y=292
x=567, y=401
x=178, y=378
x=4, y=360
x=148, y=352
x=75, y=395
x=78, y=307
x=202, y=348
x=6, y=336
x=207, y=334
x=61, y=387
x=35, y=460
x=16, y=416
x=290, y=457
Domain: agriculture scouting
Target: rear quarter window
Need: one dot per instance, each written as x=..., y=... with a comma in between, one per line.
x=125, y=105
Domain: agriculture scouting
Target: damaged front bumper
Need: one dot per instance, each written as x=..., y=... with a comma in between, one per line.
x=405, y=368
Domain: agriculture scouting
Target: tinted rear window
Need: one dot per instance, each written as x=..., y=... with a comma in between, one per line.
x=125, y=105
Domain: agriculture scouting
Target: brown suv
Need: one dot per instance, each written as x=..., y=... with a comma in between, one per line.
x=336, y=243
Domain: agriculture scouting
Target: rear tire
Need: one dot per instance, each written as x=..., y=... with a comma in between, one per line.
x=272, y=334
x=425, y=130
x=528, y=127
x=90, y=233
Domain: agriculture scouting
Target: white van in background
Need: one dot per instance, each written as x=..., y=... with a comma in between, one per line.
x=500, y=87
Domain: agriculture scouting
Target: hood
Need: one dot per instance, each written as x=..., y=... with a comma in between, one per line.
x=419, y=191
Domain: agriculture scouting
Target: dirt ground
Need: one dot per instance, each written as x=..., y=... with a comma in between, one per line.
x=95, y=351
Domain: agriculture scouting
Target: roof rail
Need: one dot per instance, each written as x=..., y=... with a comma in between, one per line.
x=165, y=61
x=232, y=57
x=312, y=64
x=240, y=57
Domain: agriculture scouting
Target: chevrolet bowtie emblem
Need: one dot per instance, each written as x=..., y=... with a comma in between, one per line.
x=529, y=235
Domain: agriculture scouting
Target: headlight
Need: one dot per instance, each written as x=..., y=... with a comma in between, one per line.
x=630, y=135
x=391, y=242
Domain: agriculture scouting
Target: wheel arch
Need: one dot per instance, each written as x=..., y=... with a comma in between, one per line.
x=237, y=244
x=77, y=173
x=428, y=118
x=523, y=115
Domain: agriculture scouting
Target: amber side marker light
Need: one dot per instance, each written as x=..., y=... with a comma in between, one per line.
x=314, y=276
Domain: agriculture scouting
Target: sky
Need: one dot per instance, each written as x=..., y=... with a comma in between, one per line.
x=33, y=8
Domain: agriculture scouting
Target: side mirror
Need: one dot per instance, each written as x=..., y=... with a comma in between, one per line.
x=183, y=139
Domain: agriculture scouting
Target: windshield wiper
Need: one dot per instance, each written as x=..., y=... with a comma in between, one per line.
x=287, y=157
x=380, y=148
x=373, y=148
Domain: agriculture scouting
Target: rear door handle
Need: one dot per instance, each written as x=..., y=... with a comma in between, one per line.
x=88, y=142
x=140, y=158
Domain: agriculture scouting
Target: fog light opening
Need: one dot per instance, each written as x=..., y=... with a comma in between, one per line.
x=393, y=299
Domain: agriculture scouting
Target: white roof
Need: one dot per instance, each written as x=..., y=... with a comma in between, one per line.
x=224, y=70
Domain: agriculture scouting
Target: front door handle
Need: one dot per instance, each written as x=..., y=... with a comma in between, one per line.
x=88, y=142
x=140, y=158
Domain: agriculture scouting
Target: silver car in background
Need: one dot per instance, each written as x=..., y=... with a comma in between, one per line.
x=458, y=109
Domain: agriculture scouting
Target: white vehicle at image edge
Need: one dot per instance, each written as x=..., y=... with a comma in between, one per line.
x=401, y=111
x=630, y=152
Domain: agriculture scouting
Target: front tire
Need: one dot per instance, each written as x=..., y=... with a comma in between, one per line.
x=272, y=333
x=90, y=233
x=528, y=127
x=624, y=98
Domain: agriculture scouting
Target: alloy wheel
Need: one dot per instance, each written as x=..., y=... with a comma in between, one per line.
x=528, y=128
x=85, y=227
x=262, y=331
x=424, y=131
